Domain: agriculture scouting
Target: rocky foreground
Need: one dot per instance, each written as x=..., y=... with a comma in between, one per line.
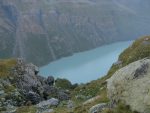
x=126, y=84
x=24, y=87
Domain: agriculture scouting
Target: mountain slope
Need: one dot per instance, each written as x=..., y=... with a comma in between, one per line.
x=120, y=76
x=22, y=90
x=43, y=31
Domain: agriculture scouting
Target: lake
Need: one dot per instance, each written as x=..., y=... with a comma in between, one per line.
x=85, y=66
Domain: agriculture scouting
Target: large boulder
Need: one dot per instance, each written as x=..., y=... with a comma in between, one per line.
x=26, y=76
x=131, y=85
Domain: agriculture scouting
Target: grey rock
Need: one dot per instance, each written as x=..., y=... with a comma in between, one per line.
x=118, y=63
x=63, y=96
x=26, y=78
x=2, y=99
x=11, y=109
x=2, y=92
x=146, y=43
x=42, y=80
x=50, y=80
x=98, y=108
x=33, y=97
x=70, y=104
x=50, y=91
x=48, y=103
x=131, y=84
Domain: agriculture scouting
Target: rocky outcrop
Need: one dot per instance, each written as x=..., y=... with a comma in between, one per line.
x=65, y=27
x=130, y=85
x=23, y=86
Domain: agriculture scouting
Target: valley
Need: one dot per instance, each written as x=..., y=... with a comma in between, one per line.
x=90, y=64
x=44, y=31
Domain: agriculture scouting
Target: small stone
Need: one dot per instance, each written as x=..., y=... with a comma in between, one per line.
x=70, y=104
x=47, y=103
x=2, y=92
x=33, y=97
x=50, y=80
x=63, y=96
x=98, y=108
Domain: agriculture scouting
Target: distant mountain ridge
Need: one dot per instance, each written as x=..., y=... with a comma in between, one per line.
x=43, y=31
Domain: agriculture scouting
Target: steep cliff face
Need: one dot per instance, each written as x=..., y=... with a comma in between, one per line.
x=43, y=31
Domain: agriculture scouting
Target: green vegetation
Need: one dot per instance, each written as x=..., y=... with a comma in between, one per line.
x=26, y=109
x=84, y=108
x=63, y=83
x=138, y=50
x=9, y=88
x=91, y=89
x=6, y=66
x=86, y=91
x=2, y=109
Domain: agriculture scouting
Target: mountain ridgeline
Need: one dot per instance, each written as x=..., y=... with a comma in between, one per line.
x=43, y=31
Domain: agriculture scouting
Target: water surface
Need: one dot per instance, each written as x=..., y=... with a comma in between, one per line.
x=85, y=66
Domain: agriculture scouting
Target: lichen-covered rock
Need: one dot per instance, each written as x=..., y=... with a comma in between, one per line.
x=131, y=85
x=26, y=76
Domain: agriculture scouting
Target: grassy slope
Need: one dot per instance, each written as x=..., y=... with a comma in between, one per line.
x=138, y=50
x=6, y=66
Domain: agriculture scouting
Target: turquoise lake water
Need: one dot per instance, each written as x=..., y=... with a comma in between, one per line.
x=85, y=66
